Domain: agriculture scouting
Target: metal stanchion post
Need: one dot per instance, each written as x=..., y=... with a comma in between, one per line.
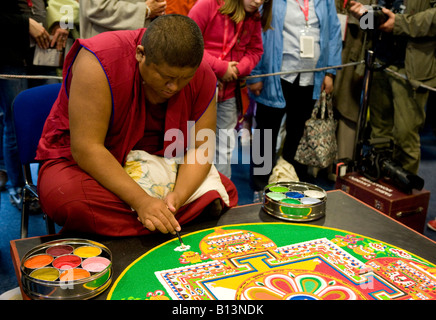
x=364, y=102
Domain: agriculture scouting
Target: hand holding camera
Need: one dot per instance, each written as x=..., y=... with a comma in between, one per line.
x=373, y=17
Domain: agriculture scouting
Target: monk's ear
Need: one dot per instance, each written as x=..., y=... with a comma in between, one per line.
x=140, y=53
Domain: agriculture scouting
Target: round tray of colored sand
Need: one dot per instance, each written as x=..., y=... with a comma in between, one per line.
x=67, y=269
x=295, y=201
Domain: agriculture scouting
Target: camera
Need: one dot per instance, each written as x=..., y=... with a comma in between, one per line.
x=379, y=16
x=377, y=162
x=373, y=18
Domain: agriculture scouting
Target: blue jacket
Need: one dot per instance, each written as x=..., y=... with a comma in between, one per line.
x=271, y=61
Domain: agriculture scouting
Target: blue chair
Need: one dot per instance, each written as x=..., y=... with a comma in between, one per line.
x=30, y=109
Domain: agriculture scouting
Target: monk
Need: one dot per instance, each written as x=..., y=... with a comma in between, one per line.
x=122, y=91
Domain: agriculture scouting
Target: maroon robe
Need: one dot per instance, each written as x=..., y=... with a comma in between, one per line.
x=71, y=197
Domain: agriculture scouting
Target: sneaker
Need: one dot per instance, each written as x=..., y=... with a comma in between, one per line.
x=15, y=197
x=257, y=196
x=432, y=225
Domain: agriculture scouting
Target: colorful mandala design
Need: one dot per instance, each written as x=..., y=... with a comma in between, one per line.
x=296, y=285
x=223, y=244
x=280, y=261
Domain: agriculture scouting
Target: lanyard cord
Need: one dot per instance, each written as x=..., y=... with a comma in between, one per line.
x=345, y=3
x=305, y=9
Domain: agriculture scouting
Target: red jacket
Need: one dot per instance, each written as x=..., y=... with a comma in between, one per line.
x=247, y=50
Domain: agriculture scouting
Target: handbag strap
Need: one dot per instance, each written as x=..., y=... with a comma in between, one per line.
x=329, y=104
x=323, y=103
x=319, y=105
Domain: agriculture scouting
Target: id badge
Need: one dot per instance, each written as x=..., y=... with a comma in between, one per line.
x=307, y=47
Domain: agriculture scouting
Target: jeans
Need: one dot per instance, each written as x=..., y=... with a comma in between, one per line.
x=9, y=89
x=227, y=118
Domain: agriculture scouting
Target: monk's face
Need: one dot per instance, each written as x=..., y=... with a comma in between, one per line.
x=162, y=81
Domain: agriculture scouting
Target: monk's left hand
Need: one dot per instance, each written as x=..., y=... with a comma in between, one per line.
x=172, y=201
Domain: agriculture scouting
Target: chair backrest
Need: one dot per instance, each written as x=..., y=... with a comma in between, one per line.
x=31, y=108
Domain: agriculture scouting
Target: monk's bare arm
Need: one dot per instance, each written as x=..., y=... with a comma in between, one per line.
x=90, y=107
x=199, y=158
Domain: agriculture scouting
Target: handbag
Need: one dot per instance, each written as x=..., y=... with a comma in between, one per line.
x=318, y=146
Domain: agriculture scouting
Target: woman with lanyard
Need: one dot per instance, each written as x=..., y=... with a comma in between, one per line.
x=233, y=46
x=306, y=34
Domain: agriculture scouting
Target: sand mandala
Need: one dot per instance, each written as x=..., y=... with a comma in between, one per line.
x=276, y=261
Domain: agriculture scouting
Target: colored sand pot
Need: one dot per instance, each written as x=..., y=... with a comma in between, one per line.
x=295, y=201
x=294, y=195
x=38, y=261
x=96, y=264
x=66, y=262
x=74, y=274
x=47, y=274
x=87, y=251
x=66, y=269
x=276, y=196
x=59, y=250
x=279, y=189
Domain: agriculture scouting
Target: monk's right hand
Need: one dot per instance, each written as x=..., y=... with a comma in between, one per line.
x=155, y=215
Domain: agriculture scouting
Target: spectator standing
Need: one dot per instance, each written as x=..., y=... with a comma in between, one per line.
x=408, y=46
x=233, y=46
x=293, y=94
x=348, y=83
x=98, y=16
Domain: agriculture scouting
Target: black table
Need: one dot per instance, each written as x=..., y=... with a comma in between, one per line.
x=342, y=212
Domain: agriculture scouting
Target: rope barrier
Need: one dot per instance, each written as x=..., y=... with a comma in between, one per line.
x=403, y=76
x=306, y=70
x=13, y=76
x=9, y=76
x=335, y=67
x=248, y=77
